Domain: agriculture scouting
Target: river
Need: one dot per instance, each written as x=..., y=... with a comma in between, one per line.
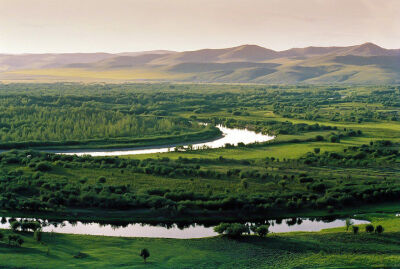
x=231, y=136
x=179, y=231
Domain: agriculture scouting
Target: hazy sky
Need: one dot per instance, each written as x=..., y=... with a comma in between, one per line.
x=133, y=25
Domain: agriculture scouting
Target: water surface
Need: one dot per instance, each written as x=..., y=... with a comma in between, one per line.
x=180, y=231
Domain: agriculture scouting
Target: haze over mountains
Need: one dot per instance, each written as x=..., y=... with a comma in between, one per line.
x=361, y=64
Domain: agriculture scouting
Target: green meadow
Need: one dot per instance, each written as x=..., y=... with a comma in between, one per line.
x=335, y=153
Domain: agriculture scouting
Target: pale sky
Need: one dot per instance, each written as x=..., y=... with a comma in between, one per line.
x=40, y=26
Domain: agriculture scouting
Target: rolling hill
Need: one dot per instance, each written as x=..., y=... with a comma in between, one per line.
x=361, y=64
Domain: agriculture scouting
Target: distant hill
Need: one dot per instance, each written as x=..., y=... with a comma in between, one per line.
x=362, y=64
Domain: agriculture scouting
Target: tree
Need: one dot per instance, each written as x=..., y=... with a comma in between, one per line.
x=262, y=230
x=355, y=229
x=369, y=228
x=349, y=222
x=15, y=238
x=334, y=139
x=20, y=241
x=145, y=254
x=43, y=167
x=317, y=150
x=379, y=229
x=231, y=229
x=102, y=180
x=221, y=228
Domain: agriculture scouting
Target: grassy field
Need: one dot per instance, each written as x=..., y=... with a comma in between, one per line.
x=331, y=248
x=86, y=75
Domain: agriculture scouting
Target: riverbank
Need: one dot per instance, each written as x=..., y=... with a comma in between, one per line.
x=208, y=134
x=332, y=248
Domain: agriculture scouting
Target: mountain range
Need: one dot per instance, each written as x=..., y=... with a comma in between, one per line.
x=361, y=64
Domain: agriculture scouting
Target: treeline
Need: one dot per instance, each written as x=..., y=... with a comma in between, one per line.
x=377, y=105
x=272, y=127
x=65, y=124
x=381, y=152
x=35, y=189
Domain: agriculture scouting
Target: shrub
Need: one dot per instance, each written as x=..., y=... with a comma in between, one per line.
x=16, y=239
x=355, y=229
x=20, y=241
x=369, y=228
x=43, y=167
x=80, y=255
x=334, y=139
x=318, y=187
x=306, y=179
x=379, y=229
x=262, y=230
x=231, y=229
x=102, y=180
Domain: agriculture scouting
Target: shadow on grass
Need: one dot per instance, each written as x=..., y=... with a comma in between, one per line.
x=339, y=243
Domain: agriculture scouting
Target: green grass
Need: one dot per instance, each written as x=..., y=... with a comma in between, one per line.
x=331, y=248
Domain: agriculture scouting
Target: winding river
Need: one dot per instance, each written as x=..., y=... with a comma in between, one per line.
x=229, y=135
x=232, y=136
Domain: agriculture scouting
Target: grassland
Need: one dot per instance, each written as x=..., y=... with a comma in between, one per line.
x=90, y=75
x=295, y=174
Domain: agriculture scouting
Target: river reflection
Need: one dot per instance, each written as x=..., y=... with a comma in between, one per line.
x=175, y=230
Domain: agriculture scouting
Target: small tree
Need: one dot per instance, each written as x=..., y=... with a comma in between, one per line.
x=334, y=139
x=20, y=241
x=43, y=167
x=379, y=229
x=355, y=229
x=369, y=228
x=145, y=254
x=262, y=230
x=221, y=228
x=349, y=222
x=317, y=150
x=15, y=238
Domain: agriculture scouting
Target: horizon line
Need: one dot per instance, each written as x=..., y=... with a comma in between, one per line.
x=190, y=50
